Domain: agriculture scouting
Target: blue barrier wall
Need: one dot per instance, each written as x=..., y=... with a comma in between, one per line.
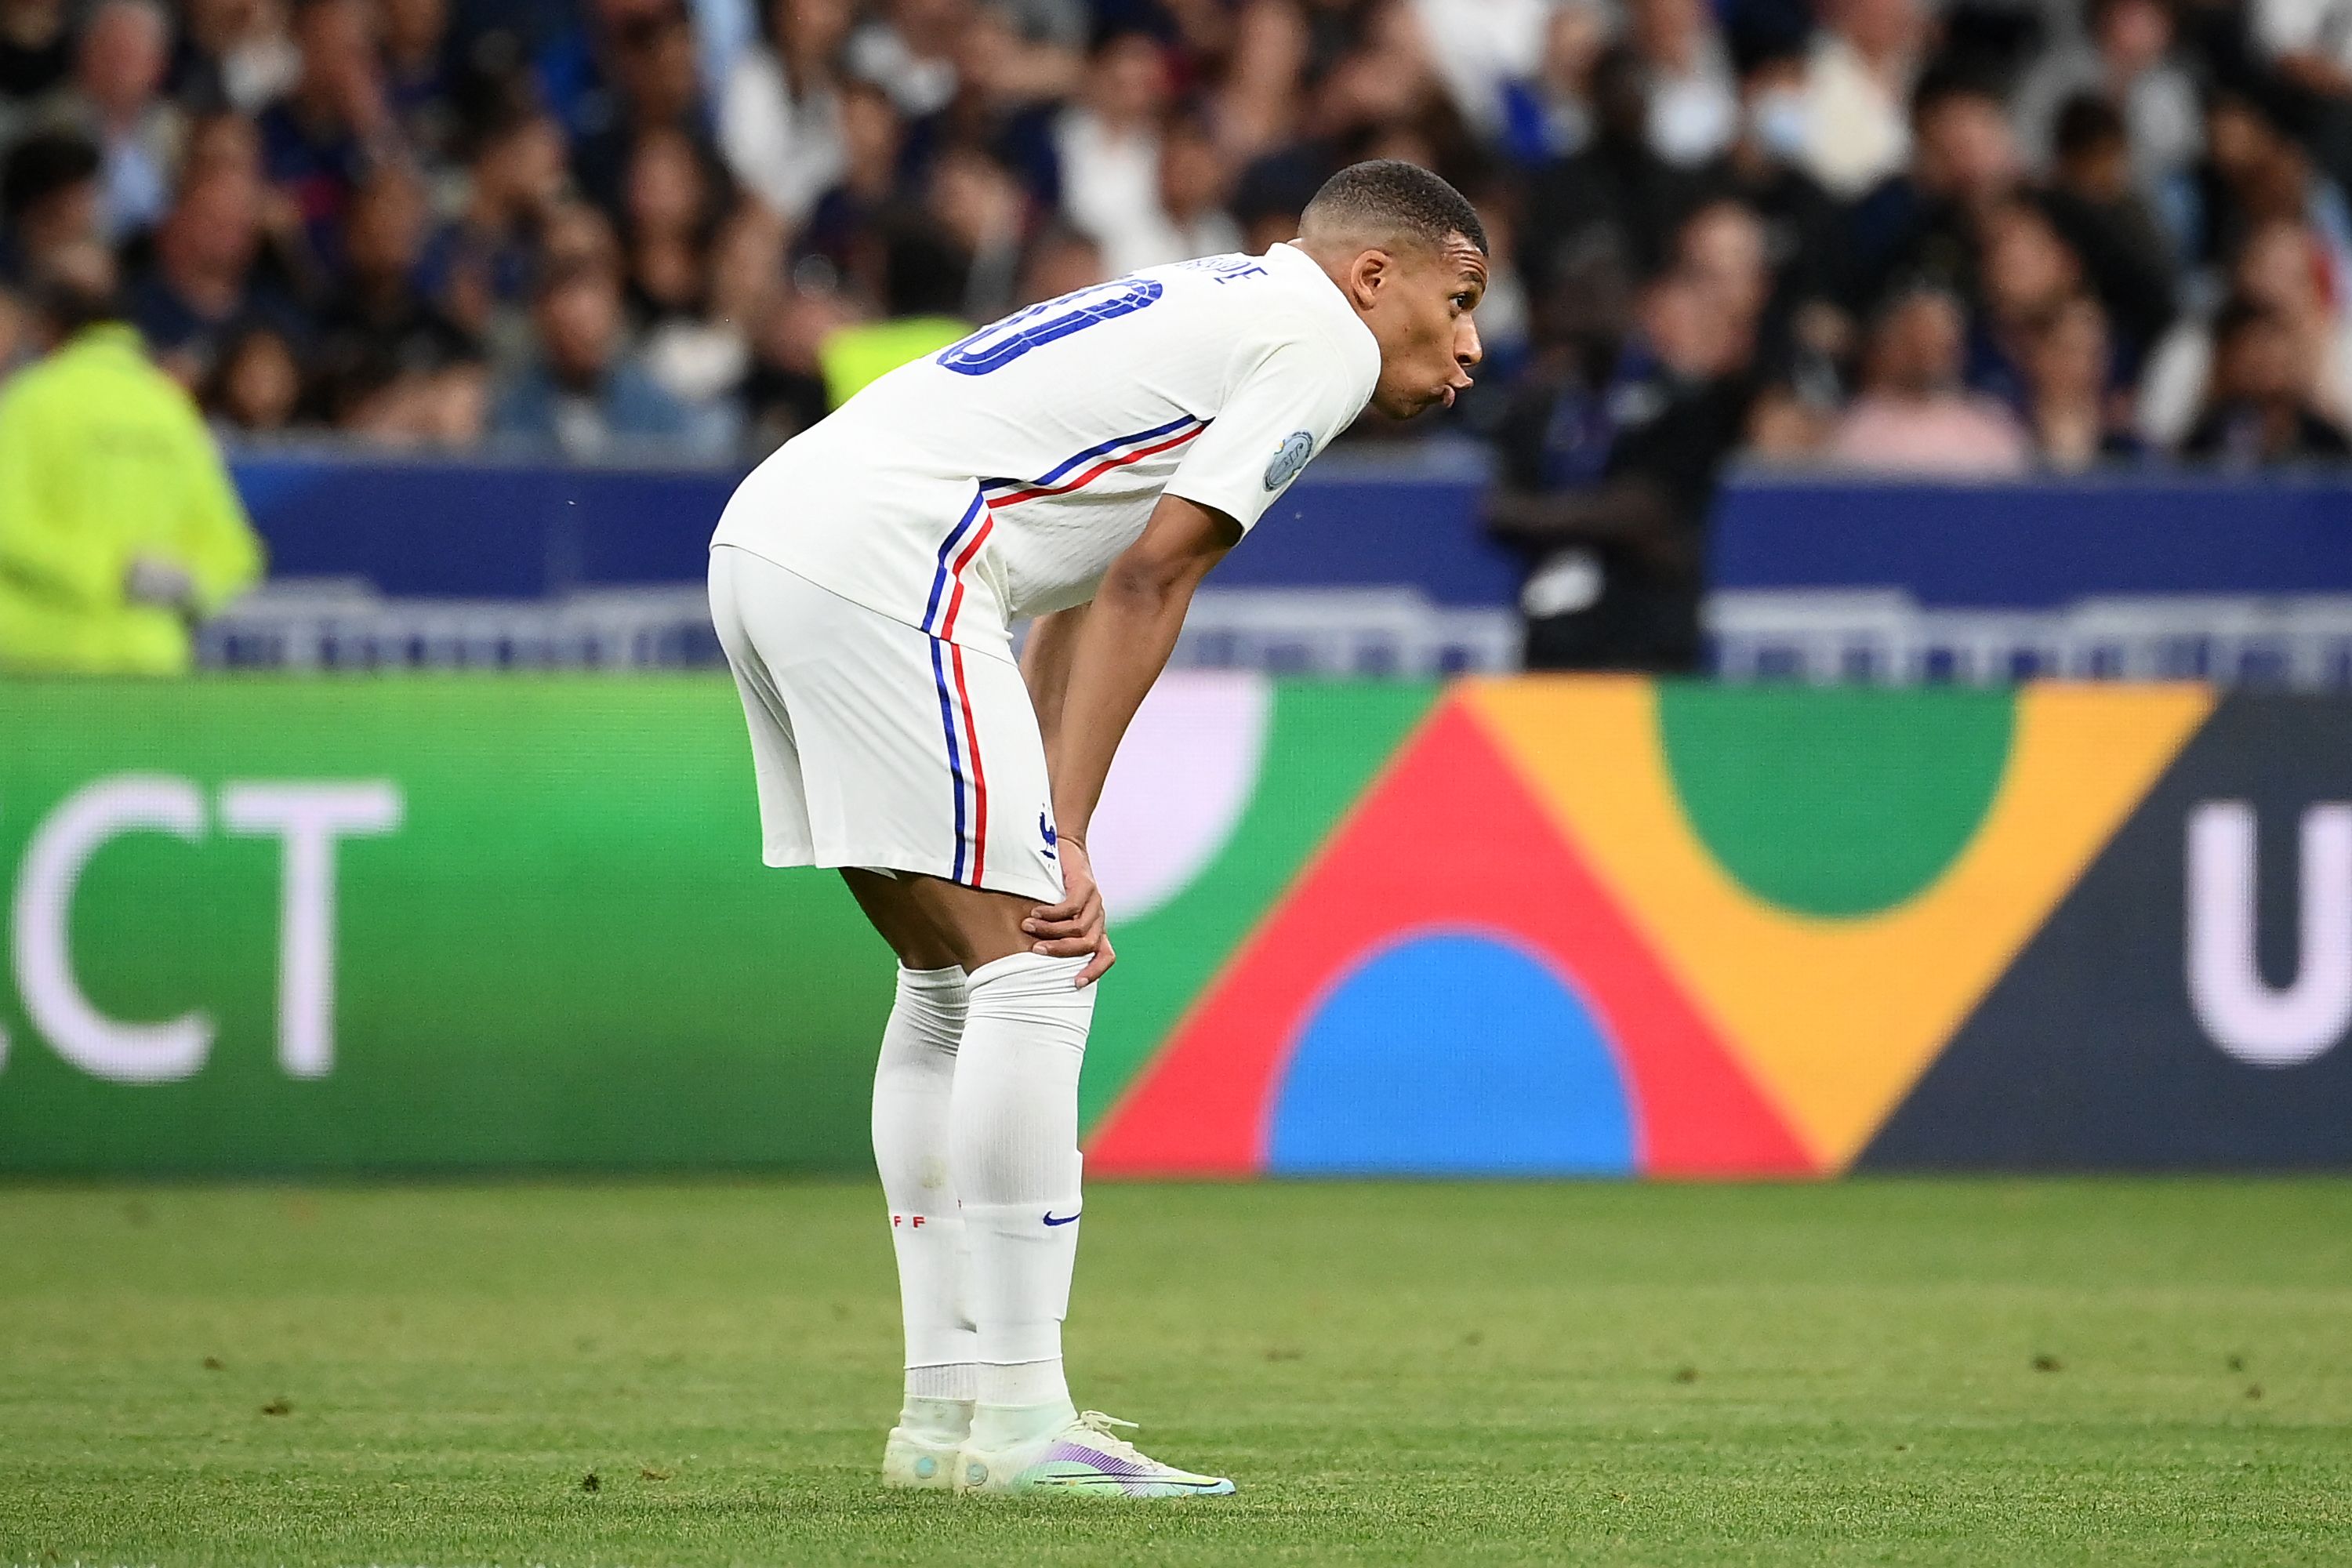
x=496, y=530
x=2038, y=546
x=510, y=530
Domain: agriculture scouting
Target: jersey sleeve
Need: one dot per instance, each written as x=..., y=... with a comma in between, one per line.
x=1286, y=408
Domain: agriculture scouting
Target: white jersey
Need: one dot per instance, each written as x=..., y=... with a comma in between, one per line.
x=1000, y=477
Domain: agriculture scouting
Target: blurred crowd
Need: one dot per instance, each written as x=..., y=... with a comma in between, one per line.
x=1984, y=239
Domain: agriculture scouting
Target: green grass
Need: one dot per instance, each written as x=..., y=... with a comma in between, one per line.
x=1455, y=1374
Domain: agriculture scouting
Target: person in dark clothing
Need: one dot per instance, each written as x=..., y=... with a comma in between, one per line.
x=1932, y=224
x=380, y=312
x=2094, y=166
x=2259, y=414
x=654, y=68
x=318, y=141
x=50, y=202
x=1804, y=228
x=1615, y=563
x=2075, y=416
x=1616, y=195
x=36, y=49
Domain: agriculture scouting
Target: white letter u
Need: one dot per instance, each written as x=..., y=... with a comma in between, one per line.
x=2244, y=1016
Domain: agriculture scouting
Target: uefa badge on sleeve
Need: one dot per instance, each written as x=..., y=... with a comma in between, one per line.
x=1296, y=447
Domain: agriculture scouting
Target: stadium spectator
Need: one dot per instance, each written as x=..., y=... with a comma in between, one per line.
x=1694, y=101
x=1548, y=111
x=780, y=116
x=1920, y=223
x=782, y=392
x=1495, y=59
x=2260, y=411
x=205, y=279
x=2283, y=268
x=382, y=341
x=50, y=200
x=586, y=394
x=119, y=529
x=1617, y=196
x=656, y=94
x=256, y=387
x=2076, y=417
x=2125, y=65
x=1061, y=261
x=319, y=140
x=1914, y=413
x=116, y=101
x=2254, y=171
x=2308, y=42
x=2093, y=168
x=872, y=137
x=1108, y=145
x=749, y=173
x=1805, y=234
x=232, y=55
x=1193, y=186
x=1257, y=103
x=670, y=206
x=700, y=356
x=981, y=208
x=36, y=51
x=910, y=50
x=2026, y=273
x=480, y=265
x=1721, y=251
x=1857, y=93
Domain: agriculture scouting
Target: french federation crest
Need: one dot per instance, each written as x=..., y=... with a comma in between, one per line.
x=1296, y=447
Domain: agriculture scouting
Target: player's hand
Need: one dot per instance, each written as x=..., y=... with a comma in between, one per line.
x=1077, y=925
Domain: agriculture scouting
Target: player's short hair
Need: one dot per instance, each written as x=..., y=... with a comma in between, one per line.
x=1389, y=193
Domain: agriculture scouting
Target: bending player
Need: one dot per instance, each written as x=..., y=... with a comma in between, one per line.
x=1085, y=462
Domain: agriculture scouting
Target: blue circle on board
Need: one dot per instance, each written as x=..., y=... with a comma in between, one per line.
x=1453, y=1054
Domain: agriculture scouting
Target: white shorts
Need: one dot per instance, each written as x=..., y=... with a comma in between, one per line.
x=877, y=744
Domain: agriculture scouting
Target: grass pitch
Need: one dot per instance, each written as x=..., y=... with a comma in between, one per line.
x=1876, y=1371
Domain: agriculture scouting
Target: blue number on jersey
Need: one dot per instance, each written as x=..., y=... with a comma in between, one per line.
x=994, y=348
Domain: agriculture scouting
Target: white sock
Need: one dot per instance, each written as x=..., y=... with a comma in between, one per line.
x=913, y=1089
x=1014, y=1140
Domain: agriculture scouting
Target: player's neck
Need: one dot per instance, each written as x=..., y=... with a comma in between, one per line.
x=1333, y=260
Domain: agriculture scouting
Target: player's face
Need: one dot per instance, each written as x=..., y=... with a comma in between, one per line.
x=1423, y=321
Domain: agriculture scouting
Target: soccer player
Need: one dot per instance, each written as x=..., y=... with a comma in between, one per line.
x=1083, y=462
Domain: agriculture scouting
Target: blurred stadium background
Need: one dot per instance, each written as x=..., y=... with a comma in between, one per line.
x=1863, y=686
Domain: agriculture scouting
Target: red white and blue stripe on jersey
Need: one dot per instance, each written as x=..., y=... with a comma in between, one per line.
x=1078, y=472
x=957, y=552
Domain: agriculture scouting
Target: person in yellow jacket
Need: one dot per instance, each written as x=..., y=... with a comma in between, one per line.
x=119, y=529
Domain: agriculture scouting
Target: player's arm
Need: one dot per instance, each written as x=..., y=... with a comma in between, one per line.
x=1046, y=667
x=1120, y=646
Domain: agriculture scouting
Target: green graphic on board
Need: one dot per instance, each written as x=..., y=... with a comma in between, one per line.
x=565, y=953
x=1835, y=801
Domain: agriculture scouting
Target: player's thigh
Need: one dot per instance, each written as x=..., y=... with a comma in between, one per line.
x=775, y=752
x=930, y=922
x=998, y=759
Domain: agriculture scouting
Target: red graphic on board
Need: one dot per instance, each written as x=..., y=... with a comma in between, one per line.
x=1448, y=838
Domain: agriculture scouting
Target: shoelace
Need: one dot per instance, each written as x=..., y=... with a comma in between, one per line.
x=1102, y=1426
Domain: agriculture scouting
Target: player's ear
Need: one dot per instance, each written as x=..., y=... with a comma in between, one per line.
x=1368, y=275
